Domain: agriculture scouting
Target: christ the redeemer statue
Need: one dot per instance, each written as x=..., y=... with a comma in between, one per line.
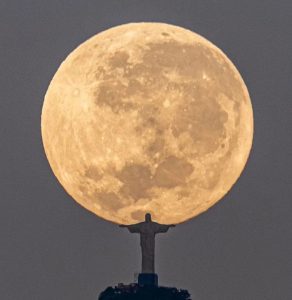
x=147, y=230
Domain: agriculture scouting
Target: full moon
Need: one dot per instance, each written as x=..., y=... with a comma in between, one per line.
x=147, y=117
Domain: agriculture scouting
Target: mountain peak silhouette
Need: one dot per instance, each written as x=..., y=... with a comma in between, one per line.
x=135, y=291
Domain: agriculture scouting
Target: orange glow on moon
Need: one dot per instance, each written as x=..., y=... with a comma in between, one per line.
x=147, y=117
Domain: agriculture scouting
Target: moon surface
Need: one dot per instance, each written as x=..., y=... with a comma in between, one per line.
x=147, y=117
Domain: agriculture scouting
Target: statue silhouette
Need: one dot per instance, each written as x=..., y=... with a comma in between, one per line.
x=147, y=286
x=147, y=229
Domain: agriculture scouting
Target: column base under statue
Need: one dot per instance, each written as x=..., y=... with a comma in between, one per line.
x=147, y=279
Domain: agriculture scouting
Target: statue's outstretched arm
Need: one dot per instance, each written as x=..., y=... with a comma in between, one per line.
x=135, y=228
x=164, y=228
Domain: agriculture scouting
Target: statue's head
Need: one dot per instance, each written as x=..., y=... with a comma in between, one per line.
x=148, y=217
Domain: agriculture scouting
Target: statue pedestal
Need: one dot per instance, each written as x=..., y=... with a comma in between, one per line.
x=148, y=279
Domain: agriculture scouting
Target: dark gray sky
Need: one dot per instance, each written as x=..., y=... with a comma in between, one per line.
x=51, y=248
